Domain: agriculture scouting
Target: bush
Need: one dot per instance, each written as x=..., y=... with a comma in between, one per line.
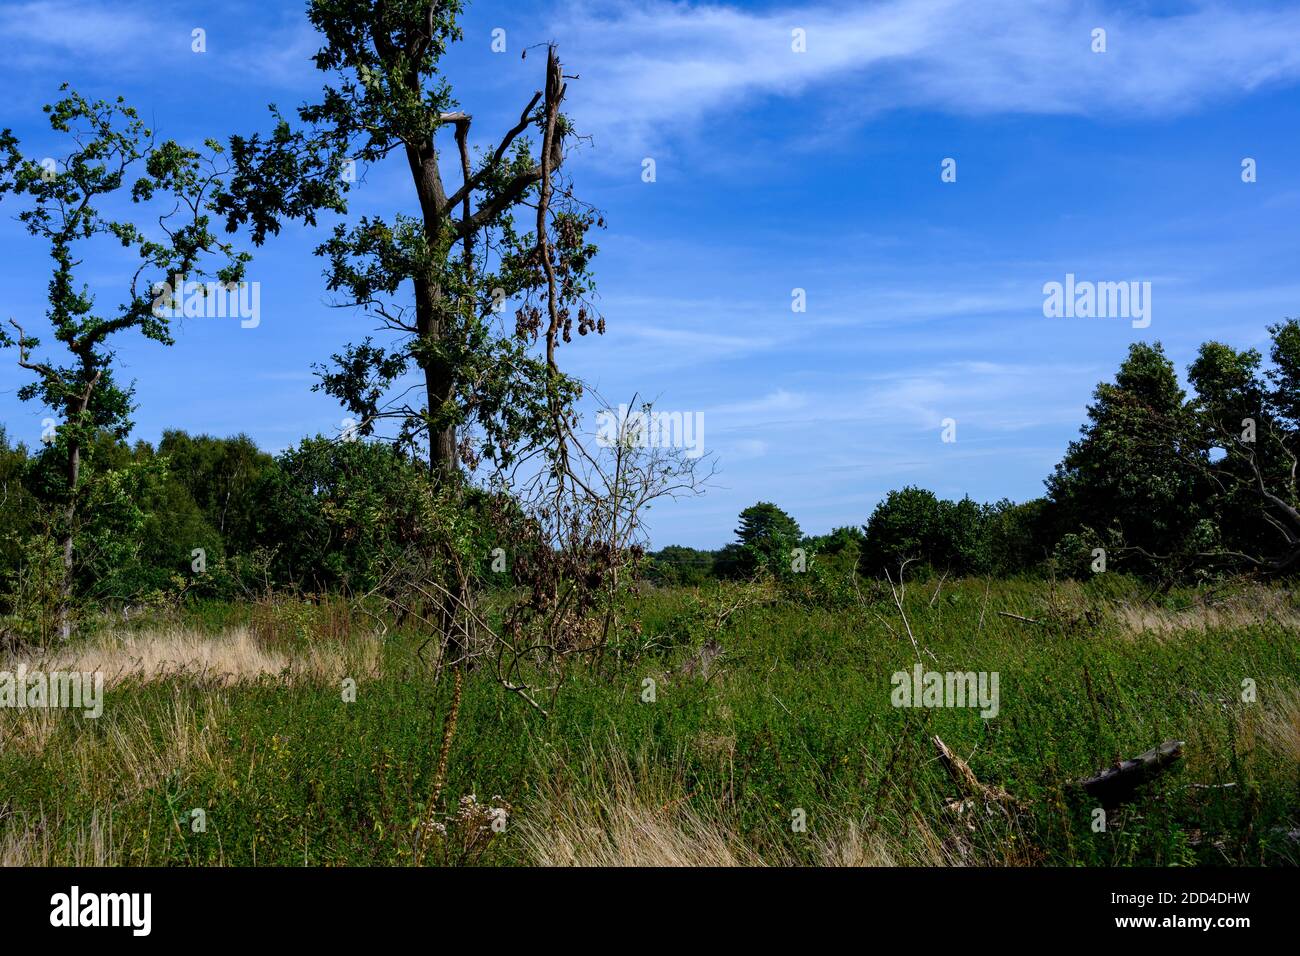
x=903, y=527
x=338, y=513
x=35, y=597
x=678, y=565
x=958, y=537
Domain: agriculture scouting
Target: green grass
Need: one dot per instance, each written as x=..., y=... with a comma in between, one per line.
x=796, y=714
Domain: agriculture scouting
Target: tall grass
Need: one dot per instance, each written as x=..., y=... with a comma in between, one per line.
x=763, y=715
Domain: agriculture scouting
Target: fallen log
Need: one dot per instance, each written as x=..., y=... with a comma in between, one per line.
x=1120, y=782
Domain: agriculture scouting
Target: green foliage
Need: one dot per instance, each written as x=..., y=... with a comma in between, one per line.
x=110, y=538
x=963, y=536
x=1130, y=477
x=113, y=159
x=903, y=527
x=338, y=514
x=678, y=565
x=1176, y=487
x=111, y=144
x=765, y=542
x=1247, y=429
x=33, y=598
x=19, y=509
x=845, y=540
x=222, y=477
x=836, y=555
x=325, y=515
x=955, y=537
x=1018, y=538
x=436, y=277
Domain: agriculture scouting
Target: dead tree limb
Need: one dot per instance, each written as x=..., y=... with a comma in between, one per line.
x=966, y=780
x=1017, y=617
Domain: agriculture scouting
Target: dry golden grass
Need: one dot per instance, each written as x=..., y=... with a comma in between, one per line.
x=228, y=658
x=34, y=843
x=1248, y=607
x=136, y=751
x=624, y=816
x=634, y=835
x=139, y=747
x=1279, y=725
x=615, y=813
x=28, y=731
x=140, y=756
x=855, y=846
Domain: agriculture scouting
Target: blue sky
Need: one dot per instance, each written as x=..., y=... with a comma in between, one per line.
x=776, y=170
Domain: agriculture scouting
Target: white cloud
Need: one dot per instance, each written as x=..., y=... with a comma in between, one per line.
x=280, y=57
x=74, y=27
x=745, y=448
x=43, y=33
x=778, y=401
x=652, y=71
x=636, y=347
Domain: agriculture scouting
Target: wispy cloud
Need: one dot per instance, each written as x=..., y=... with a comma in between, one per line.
x=58, y=27
x=778, y=401
x=156, y=36
x=654, y=70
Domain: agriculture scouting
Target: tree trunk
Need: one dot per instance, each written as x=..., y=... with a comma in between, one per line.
x=76, y=411
x=439, y=379
x=69, y=517
x=439, y=382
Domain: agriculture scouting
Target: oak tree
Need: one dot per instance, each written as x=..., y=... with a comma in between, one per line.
x=72, y=205
x=450, y=379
